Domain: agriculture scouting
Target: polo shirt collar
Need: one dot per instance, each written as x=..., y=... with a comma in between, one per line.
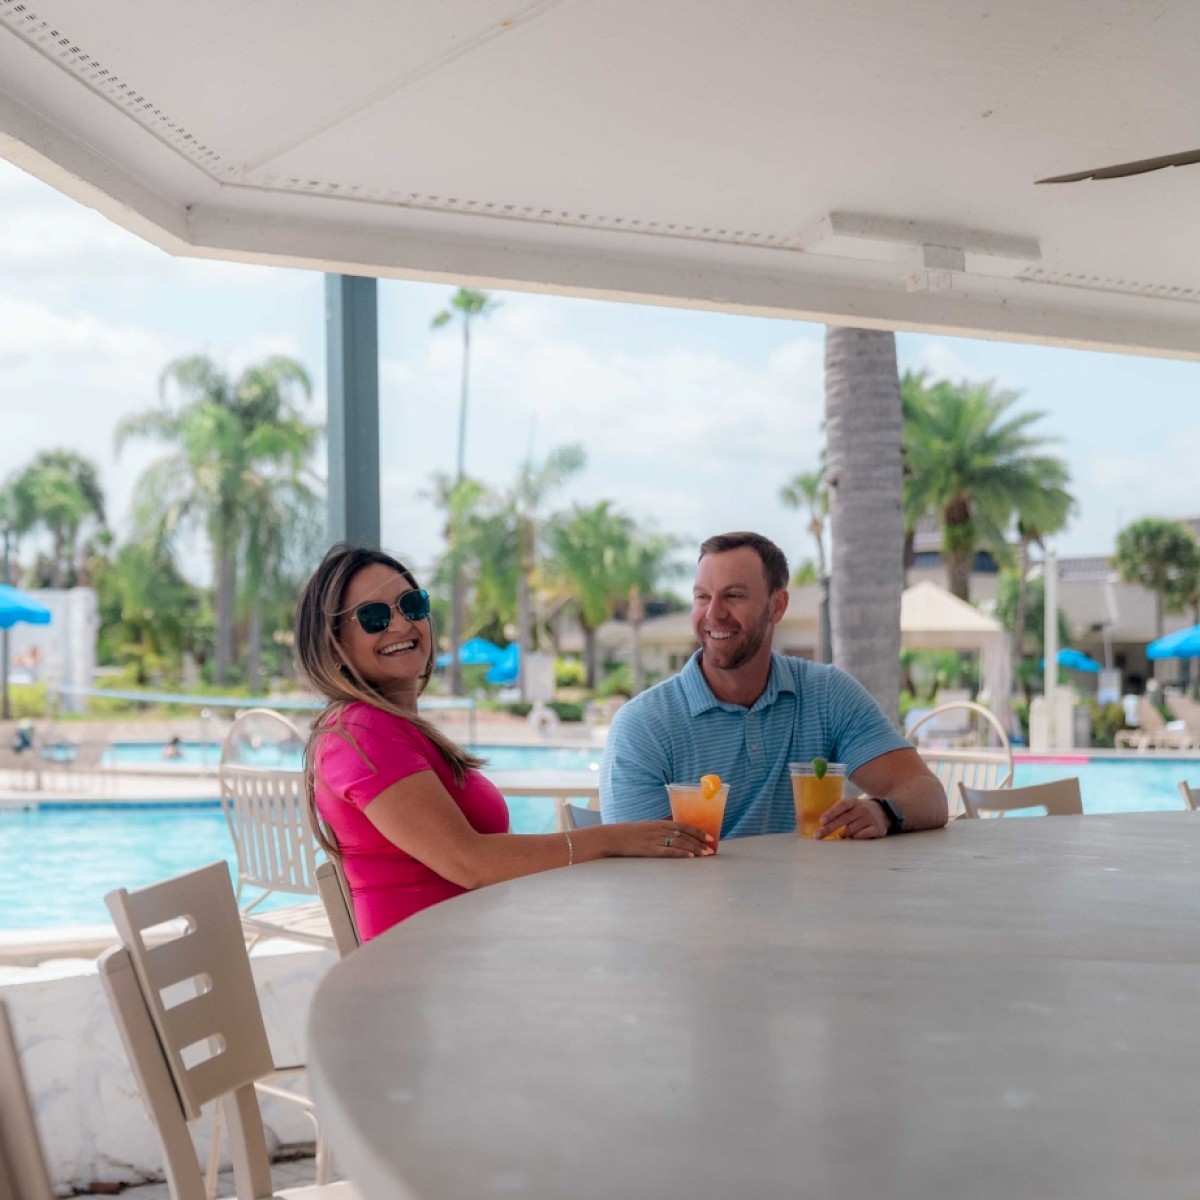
x=700, y=698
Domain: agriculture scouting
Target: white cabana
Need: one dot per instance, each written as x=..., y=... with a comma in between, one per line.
x=931, y=618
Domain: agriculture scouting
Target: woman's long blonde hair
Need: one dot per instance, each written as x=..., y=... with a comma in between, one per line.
x=324, y=663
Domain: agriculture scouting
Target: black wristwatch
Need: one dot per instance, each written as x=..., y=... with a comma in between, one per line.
x=895, y=818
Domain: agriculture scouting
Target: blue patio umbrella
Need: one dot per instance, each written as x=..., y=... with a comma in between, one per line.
x=507, y=669
x=1075, y=660
x=16, y=607
x=1183, y=643
x=474, y=652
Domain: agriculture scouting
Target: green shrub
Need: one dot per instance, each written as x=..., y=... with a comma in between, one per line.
x=27, y=700
x=519, y=708
x=569, y=672
x=617, y=682
x=1020, y=710
x=1107, y=720
x=566, y=710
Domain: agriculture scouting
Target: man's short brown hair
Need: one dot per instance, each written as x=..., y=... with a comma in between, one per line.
x=774, y=561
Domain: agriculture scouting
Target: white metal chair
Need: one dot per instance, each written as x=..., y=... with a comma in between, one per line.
x=23, y=1173
x=1059, y=798
x=988, y=767
x=575, y=816
x=1191, y=795
x=339, y=906
x=262, y=796
x=189, y=1018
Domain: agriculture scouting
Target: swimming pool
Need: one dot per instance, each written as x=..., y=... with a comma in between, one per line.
x=63, y=858
x=273, y=754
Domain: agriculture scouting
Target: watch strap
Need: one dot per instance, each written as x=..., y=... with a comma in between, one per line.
x=895, y=818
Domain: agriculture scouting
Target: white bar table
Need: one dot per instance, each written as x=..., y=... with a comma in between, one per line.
x=999, y=1009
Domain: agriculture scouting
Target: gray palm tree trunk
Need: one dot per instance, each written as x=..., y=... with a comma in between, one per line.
x=589, y=654
x=254, y=627
x=225, y=582
x=458, y=592
x=1018, y=646
x=863, y=430
x=635, y=615
x=458, y=586
x=525, y=606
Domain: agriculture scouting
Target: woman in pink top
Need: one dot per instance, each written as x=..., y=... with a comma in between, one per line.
x=413, y=820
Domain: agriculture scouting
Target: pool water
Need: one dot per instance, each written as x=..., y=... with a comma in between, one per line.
x=274, y=754
x=1115, y=785
x=69, y=856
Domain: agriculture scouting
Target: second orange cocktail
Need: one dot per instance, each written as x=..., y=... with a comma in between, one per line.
x=813, y=794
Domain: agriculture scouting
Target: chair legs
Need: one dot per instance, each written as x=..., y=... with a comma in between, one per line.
x=213, y=1167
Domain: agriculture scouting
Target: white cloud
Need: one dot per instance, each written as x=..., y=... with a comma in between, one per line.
x=681, y=436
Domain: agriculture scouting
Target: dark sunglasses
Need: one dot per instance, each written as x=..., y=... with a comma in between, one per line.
x=376, y=616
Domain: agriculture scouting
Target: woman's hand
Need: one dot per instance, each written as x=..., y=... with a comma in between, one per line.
x=654, y=839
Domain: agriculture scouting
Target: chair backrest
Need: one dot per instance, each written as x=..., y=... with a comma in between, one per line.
x=262, y=796
x=197, y=985
x=983, y=767
x=1059, y=797
x=23, y=1174
x=339, y=906
x=575, y=816
x=1186, y=710
x=1150, y=720
x=189, y=1017
x=1191, y=795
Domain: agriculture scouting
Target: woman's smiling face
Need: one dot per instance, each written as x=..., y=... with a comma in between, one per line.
x=395, y=659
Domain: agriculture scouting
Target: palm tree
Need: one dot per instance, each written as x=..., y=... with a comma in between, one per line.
x=224, y=433
x=58, y=491
x=1185, y=594
x=649, y=559
x=534, y=483
x=1159, y=555
x=591, y=548
x=145, y=608
x=469, y=306
x=976, y=465
x=283, y=524
x=863, y=432
x=1045, y=513
x=807, y=490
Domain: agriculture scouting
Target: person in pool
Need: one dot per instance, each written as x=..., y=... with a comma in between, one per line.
x=412, y=819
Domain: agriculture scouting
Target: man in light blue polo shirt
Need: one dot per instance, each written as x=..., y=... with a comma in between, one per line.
x=741, y=711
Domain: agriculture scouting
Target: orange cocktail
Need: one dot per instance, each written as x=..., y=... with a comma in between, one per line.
x=813, y=794
x=690, y=805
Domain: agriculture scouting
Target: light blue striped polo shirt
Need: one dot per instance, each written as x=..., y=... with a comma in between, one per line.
x=678, y=730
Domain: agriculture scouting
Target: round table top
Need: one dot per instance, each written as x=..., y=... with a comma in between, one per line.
x=998, y=1009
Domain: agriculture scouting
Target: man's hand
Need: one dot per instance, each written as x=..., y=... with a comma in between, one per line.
x=862, y=818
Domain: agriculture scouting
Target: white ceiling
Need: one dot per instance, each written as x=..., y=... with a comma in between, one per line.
x=865, y=161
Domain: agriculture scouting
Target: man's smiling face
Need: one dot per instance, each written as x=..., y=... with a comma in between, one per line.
x=733, y=611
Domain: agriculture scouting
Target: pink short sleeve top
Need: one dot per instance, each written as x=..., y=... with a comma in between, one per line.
x=387, y=883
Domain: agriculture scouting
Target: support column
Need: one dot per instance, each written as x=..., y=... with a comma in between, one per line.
x=352, y=365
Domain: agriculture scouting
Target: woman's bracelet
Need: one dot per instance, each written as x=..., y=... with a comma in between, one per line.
x=570, y=849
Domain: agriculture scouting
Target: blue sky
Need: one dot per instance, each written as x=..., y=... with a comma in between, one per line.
x=691, y=421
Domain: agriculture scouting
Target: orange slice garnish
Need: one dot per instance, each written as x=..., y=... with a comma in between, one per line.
x=710, y=785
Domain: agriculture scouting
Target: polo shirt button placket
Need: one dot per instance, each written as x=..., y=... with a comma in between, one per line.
x=753, y=739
